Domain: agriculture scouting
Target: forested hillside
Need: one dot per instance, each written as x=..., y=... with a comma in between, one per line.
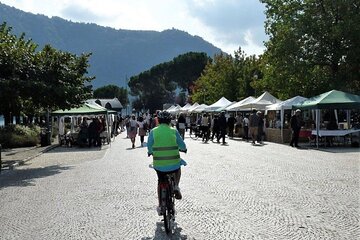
x=116, y=54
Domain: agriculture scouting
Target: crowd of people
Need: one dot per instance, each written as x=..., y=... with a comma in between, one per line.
x=210, y=127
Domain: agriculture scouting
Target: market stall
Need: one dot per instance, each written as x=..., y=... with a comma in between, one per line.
x=331, y=100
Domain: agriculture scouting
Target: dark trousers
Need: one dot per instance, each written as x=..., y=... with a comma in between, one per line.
x=222, y=135
x=231, y=131
x=295, y=137
x=246, y=132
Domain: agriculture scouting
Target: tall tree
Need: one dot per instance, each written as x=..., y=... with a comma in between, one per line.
x=157, y=86
x=44, y=80
x=16, y=69
x=227, y=76
x=313, y=46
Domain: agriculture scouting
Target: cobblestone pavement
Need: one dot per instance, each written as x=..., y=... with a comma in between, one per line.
x=234, y=191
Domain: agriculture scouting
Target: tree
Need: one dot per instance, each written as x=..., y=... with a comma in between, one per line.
x=33, y=81
x=157, y=86
x=313, y=46
x=16, y=69
x=227, y=76
x=112, y=91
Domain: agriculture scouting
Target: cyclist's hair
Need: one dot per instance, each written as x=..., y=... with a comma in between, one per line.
x=164, y=117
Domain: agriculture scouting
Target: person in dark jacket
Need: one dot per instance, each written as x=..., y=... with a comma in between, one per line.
x=295, y=123
x=215, y=128
x=181, y=125
x=222, y=127
x=231, y=124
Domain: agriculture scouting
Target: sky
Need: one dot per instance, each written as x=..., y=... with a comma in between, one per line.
x=227, y=24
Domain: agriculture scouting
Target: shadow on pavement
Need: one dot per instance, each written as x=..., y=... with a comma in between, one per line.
x=26, y=177
x=161, y=234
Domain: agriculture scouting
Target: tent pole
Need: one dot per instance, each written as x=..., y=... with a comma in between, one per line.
x=317, y=127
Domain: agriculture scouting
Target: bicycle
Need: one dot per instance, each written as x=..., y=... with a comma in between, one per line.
x=167, y=200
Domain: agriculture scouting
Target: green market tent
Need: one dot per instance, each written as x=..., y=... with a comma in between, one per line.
x=331, y=100
x=85, y=109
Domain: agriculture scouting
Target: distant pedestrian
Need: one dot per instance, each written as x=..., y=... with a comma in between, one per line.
x=181, y=125
x=222, y=127
x=133, y=130
x=253, y=125
x=246, y=127
x=231, y=124
x=142, y=124
x=215, y=128
x=205, y=123
x=295, y=123
x=260, y=127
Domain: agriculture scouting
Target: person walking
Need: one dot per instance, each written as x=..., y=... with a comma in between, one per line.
x=215, y=127
x=231, y=124
x=222, y=127
x=295, y=123
x=246, y=127
x=253, y=125
x=132, y=130
x=260, y=127
x=205, y=127
x=142, y=124
x=181, y=125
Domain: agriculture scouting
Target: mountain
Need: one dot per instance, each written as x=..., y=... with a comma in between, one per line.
x=116, y=54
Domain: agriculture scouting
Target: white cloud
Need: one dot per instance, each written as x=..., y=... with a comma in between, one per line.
x=227, y=24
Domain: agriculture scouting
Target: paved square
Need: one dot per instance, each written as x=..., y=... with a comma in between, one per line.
x=236, y=191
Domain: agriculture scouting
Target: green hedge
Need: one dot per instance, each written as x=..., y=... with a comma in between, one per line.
x=19, y=136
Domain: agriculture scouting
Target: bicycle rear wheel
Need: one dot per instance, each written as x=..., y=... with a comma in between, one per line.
x=167, y=221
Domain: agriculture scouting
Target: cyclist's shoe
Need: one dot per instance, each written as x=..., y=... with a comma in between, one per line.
x=177, y=193
x=159, y=211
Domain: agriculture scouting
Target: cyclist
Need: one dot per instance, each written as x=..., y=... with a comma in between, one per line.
x=164, y=143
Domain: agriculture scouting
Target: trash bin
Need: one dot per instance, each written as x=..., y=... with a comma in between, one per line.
x=45, y=138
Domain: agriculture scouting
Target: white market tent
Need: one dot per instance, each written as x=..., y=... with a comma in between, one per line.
x=175, y=109
x=222, y=102
x=195, y=105
x=235, y=107
x=285, y=105
x=168, y=109
x=200, y=108
x=260, y=103
x=185, y=108
x=224, y=108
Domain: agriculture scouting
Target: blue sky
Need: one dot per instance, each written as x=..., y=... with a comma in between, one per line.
x=228, y=24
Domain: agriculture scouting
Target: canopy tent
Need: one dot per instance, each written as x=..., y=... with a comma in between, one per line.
x=225, y=107
x=195, y=105
x=170, y=108
x=200, y=108
x=235, y=107
x=175, y=109
x=333, y=99
x=85, y=110
x=259, y=103
x=282, y=106
x=185, y=108
x=222, y=102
